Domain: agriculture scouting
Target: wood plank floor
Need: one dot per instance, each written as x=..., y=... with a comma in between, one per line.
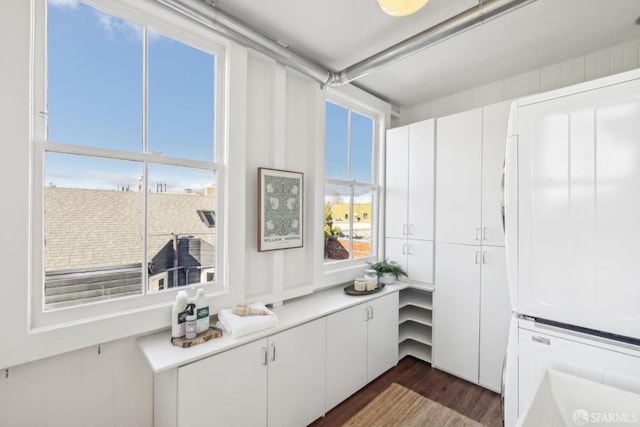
x=468, y=399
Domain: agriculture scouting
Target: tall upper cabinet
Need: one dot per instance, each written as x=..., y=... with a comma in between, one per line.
x=409, y=193
x=471, y=305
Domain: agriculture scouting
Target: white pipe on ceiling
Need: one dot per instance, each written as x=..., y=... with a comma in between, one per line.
x=230, y=27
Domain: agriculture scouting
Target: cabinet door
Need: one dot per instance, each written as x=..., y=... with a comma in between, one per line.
x=397, y=176
x=456, y=306
x=228, y=389
x=420, y=260
x=382, y=335
x=458, y=178
x=396, y=250
x=297, y=375
x=495, y=313
x=421, y=180
x=494, y=137
x=346, y=353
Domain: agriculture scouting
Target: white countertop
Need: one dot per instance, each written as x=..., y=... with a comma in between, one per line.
x=162, y=355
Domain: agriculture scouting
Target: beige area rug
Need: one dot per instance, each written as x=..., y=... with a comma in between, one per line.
x=399, y=406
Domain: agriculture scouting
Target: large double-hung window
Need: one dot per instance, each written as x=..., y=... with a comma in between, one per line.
x=126, y=158
x=351, y=189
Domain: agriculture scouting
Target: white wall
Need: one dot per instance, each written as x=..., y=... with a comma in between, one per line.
x=613, y=60
x=276, y=120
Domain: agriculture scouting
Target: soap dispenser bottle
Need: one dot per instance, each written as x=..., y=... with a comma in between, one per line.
x=202, y=311
x=178, y=315
x=191, y=324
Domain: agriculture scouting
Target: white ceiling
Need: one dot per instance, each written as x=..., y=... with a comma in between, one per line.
x=339, y=33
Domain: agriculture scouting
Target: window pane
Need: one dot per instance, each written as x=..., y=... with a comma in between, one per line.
x=181, y=241
x=94, y=78
x=337, y=142
x=362, y=220
x=93, y=229
x=361, y=148
x=181, y=99
x=337, y=221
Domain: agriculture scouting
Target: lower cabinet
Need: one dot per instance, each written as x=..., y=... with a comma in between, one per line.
x=361, y=345
x=471, y=312
x=275, y=381
x=229, y=388
x=288, y=379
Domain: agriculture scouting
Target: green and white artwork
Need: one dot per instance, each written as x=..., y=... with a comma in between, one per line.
x=280, y=209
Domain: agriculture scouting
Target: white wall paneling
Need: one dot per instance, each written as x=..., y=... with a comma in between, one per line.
x=601, y=63
x=80, y=388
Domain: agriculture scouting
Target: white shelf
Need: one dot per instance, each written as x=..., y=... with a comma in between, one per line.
x=415, y=349
x=416, y=298
x=415, y=331
x=416, y=314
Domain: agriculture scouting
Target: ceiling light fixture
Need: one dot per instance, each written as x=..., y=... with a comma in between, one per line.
x=401, y=7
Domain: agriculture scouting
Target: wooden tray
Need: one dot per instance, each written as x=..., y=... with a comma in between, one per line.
x=205, y=336
x=349, y=290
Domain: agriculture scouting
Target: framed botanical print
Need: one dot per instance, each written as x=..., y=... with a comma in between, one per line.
x=280, y=220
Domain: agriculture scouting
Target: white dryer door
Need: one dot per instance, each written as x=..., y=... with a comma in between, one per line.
x=578, y=209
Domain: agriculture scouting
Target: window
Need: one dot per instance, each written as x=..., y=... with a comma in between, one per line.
x=208, y=217
x=351, y=187
x=127, y=141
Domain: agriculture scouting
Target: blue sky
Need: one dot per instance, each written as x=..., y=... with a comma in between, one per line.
x=95, y=98
x=337, y=151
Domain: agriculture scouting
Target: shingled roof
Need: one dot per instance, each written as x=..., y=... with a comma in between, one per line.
x=93, y=241
x=96, y=228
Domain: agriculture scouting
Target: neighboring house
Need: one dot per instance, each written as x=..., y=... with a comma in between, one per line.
x=93, y=242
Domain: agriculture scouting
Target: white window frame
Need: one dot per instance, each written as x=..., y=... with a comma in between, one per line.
x=340, y=270
x=179, y=28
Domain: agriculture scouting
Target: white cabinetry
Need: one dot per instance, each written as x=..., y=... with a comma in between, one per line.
x=459, y=185
x=296, y=364
x=227, y=389
x=415, y=324
x=361, y=345
x=495, y=311
x=275, y=381
x=410, y=197
x=471, y=305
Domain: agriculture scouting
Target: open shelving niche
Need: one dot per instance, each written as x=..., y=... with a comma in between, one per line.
x=415, y=323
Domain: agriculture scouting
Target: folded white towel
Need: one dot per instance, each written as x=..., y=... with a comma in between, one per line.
x=238, y=326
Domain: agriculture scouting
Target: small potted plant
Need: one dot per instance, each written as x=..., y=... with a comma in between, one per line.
x=388, y=271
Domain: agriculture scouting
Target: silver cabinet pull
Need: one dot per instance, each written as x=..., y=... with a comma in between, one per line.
x=478, y=233
x=366, y=310
x=410, y=249
x=502, y=193
x=411, y=228
x=477, y=257
x=371, y=315
x=273, y=352
x=404, y=249
x=485, y=233
x=485, y=257
x=404, y=229
x=264, y=352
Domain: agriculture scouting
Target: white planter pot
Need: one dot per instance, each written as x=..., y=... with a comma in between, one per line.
x=387, y=279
